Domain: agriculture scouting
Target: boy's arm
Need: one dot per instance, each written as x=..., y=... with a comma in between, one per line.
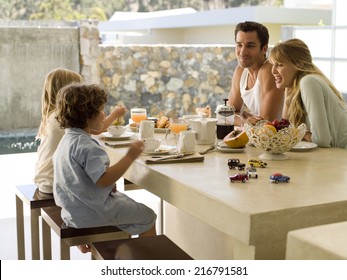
x=114, y=172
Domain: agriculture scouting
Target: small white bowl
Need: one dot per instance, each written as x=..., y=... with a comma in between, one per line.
x=116, y=130
x=151, y=144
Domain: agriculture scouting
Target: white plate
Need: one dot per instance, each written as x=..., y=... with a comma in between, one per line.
x=224, y=148
x=162, y=150
x=124, y=136
x=303, y=146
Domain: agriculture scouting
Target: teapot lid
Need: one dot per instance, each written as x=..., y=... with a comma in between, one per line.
x=225, y=110
x=203, y=119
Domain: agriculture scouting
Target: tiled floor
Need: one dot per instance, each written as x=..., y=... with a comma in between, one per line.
x=16, y=169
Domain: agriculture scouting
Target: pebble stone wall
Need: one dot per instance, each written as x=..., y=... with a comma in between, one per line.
x=169, y=80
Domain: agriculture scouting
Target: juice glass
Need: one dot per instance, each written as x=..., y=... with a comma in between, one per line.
x=177, y=124
x=138, y=114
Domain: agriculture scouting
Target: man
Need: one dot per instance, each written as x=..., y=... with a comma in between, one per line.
x=253, y=91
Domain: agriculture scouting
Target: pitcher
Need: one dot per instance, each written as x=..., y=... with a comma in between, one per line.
x=205, y=129
x=186, y=142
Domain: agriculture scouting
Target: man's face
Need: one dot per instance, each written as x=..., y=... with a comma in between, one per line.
x=248, y=51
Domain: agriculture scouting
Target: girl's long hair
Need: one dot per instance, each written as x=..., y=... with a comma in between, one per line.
x=298, y=54
x=55, y=80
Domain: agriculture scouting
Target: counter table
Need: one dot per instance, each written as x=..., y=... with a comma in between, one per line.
x=257, y=214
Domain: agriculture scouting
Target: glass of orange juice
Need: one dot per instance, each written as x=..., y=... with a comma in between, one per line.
x=177, y=124
x=138, y=114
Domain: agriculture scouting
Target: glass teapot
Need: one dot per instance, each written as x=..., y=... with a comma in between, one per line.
x=225, y=115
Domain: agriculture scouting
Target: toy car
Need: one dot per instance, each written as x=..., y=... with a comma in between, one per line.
x=252, y=172
x=238, y=177
x=278, y=177
x=257, y=163
x=234, y=163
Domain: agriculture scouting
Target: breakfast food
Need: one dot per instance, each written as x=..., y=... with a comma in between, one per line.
x=277, y=125
x=162, y=122
x=236, y=139
x=119, y=121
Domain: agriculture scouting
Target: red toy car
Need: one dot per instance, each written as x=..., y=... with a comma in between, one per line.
x=238, y=177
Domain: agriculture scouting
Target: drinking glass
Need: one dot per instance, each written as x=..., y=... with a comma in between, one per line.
x=176, y=125
x=138, y=115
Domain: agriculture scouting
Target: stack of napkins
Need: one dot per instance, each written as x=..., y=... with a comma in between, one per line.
x=195, y=157
x=119, y=144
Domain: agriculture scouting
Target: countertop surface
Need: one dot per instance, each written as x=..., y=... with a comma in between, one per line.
x=256, y=210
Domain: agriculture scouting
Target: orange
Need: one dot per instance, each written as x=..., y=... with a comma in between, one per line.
x=271, y=127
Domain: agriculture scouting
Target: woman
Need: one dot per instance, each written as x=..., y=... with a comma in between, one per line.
x=311, y=98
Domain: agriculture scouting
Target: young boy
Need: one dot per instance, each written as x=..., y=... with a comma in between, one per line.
x=84, y=182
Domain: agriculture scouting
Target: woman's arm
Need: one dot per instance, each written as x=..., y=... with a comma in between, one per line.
x=312, y=95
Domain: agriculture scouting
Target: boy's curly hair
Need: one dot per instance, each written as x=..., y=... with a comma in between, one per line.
x=77, y=103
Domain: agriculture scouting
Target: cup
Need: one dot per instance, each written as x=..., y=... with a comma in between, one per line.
x=151, y=144
x=186, y=142
x=146, y=129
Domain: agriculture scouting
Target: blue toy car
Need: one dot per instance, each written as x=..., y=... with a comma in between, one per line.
x=278, y=177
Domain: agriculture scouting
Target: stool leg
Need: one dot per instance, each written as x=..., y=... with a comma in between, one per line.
x=35, y=236
x=20, y=229
x=46, y=241
x=64, y=250
x=161, y=216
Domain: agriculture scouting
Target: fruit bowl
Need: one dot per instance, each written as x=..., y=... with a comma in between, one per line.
x=274, y=143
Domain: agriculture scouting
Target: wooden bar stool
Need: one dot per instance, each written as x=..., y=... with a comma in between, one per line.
x=30, y=195
x=158, y=247
x=69, y=236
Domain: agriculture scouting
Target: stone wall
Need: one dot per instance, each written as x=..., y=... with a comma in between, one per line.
x=165, y=79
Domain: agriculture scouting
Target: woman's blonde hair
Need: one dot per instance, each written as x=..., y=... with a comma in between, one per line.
x=55, y=80
x=296, y=52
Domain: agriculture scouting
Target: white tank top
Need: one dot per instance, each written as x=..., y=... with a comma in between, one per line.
x=250, y=97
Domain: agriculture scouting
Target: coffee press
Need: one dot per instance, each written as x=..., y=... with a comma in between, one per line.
x=225, y=115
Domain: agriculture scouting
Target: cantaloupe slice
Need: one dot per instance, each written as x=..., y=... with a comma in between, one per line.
x=236, y=139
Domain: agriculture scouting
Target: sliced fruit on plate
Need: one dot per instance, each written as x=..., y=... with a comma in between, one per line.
x=236, y=139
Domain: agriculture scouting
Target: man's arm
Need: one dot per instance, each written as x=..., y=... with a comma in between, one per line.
x=234, y=98
x=271, y=97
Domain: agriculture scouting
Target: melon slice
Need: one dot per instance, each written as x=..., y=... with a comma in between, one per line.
x=236, y=139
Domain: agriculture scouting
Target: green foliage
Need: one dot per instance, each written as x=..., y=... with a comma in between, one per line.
x=104, y=9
